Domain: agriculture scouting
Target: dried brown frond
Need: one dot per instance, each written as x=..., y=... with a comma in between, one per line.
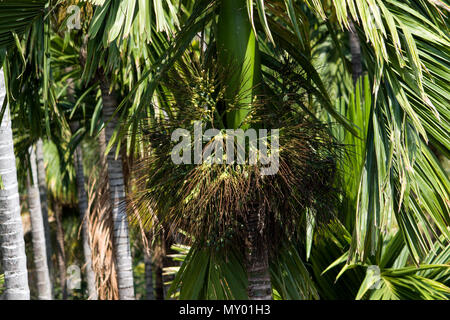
x=100, y=226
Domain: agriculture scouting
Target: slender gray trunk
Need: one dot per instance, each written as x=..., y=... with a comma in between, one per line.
x=259, y=283
x=117, y=190
x=44, y=204
x=355, y=49
x=82, y=207
x=37, y=231
x=12, y=244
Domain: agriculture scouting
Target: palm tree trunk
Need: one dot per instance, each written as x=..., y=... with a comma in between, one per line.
x=355, y=49
x=12, y=244
x=117, y=190
x=44, y=204
x=82, y=207
x=259, y=283
x=149, y=294
x=236, y=41
x=61, y=256
x=38, y=232
x=159, y=282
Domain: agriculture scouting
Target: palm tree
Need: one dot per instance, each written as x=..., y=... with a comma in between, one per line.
x=38, y=232
x=117, y=191
x=216, y=203
x=12, y=244
x=237, y=45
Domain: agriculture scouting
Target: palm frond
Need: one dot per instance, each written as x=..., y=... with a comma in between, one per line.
x=16, y=17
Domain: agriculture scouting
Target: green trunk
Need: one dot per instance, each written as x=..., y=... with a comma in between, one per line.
x=238, y=54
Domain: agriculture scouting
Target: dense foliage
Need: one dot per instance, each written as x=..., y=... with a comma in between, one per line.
x=358, y=89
